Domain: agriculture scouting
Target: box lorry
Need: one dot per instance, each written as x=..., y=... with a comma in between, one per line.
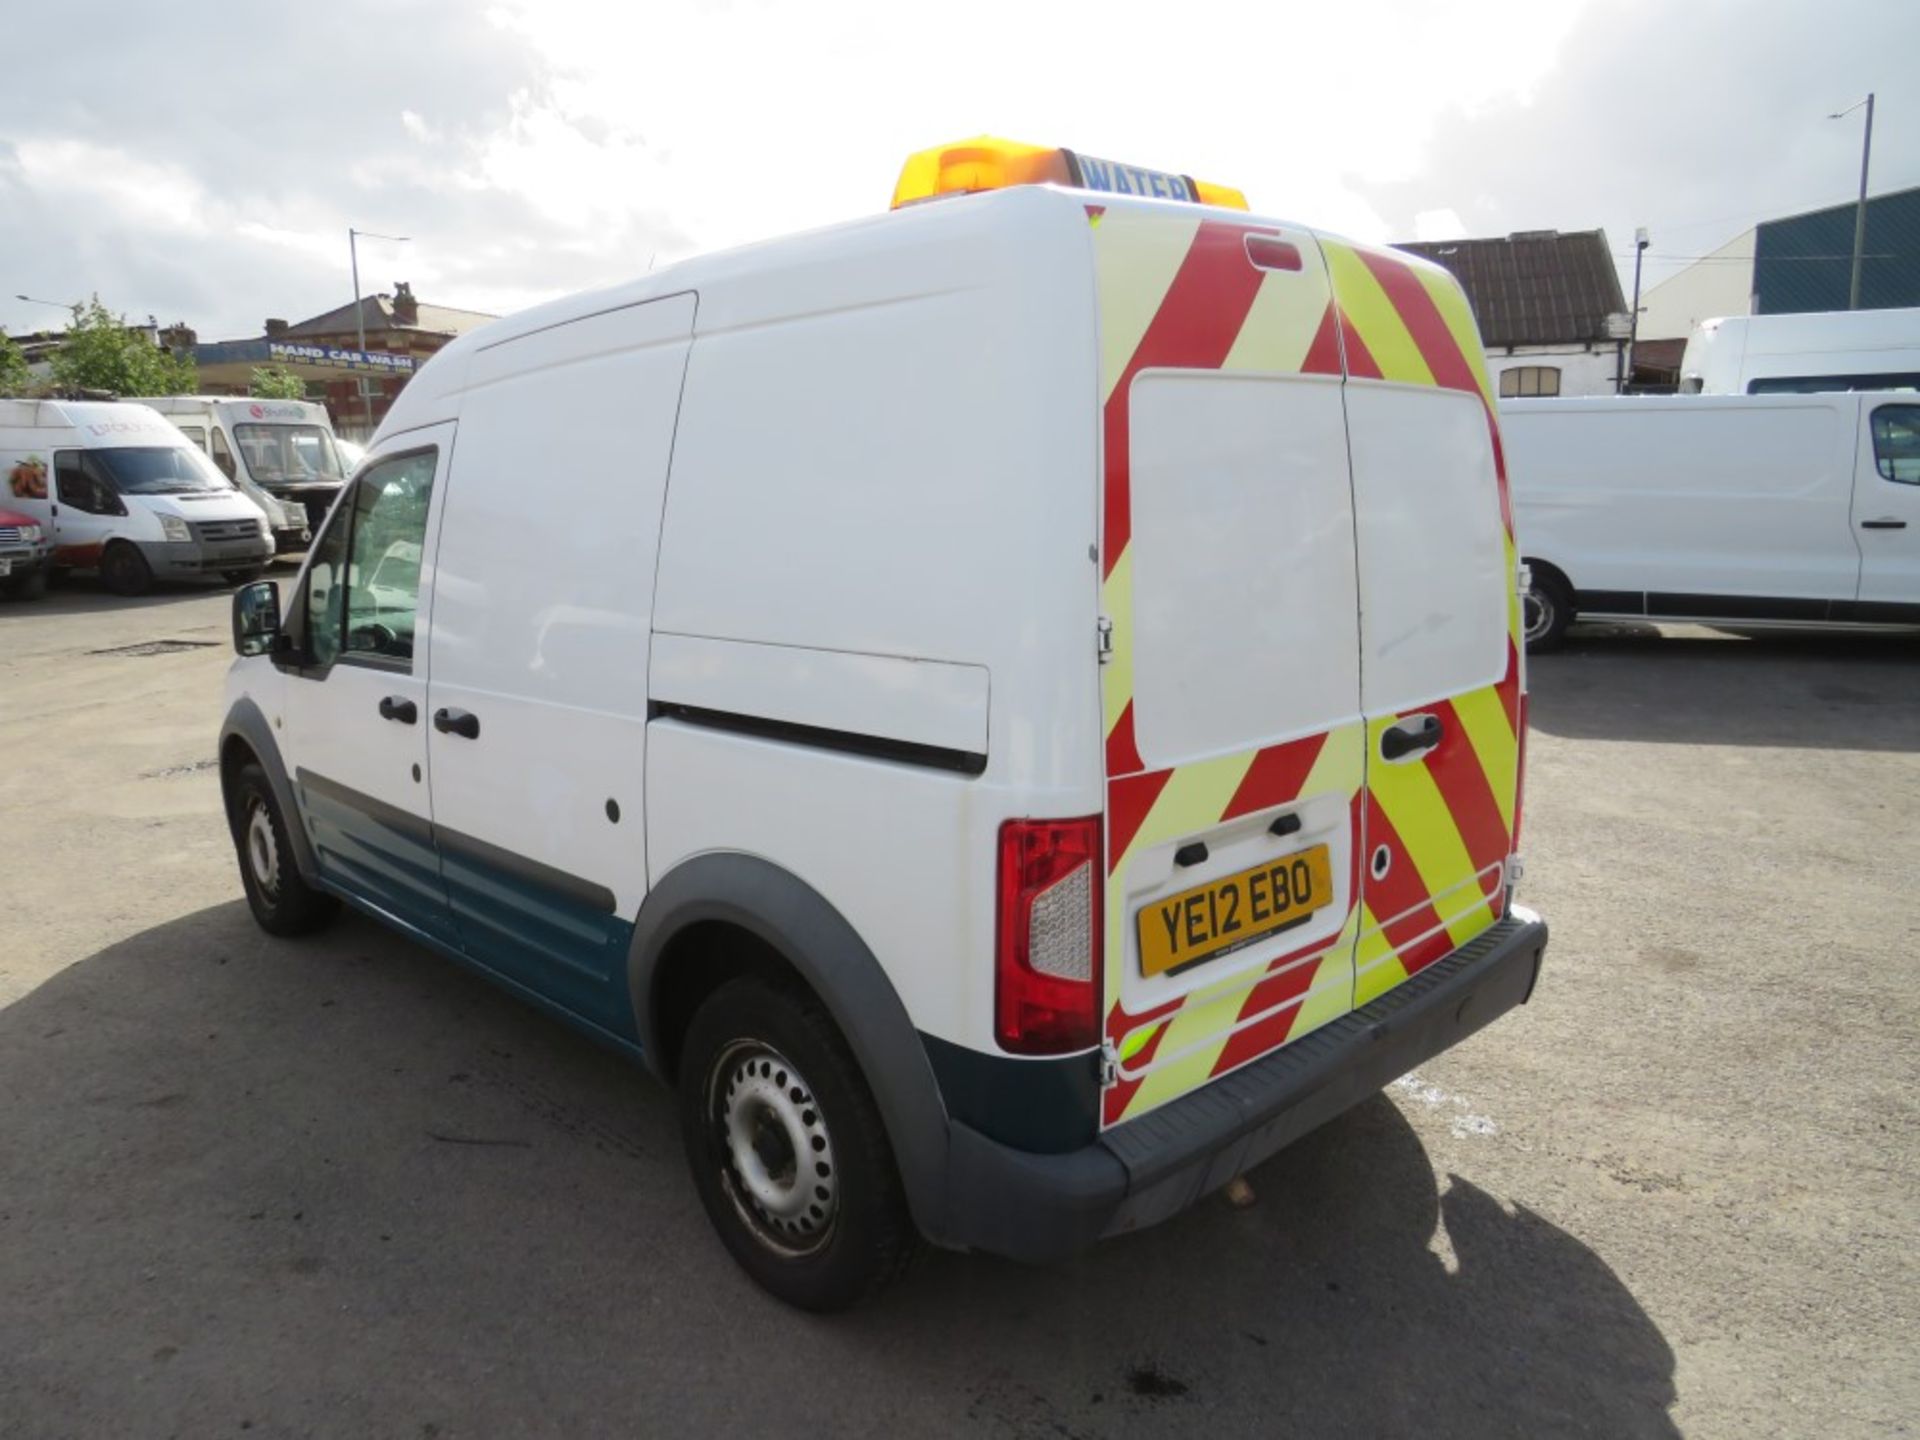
x=1032, y=727
x=1795, y=509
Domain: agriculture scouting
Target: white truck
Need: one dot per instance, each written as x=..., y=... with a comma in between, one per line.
x=1755, y=509
x=1796, y=354
x=285, y=448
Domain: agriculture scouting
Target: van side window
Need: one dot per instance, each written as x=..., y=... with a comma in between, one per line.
x=198, y=435
x=390, y=505
x=1529, y=380
x=325, y=594
x=79, y=483
x=1896, y=443
x=222, y=456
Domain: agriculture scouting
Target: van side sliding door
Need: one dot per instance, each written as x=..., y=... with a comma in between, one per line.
x=537, y=705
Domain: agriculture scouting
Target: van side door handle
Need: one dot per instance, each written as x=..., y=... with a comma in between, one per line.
x=457, y=722
x=1883, y=524
x=1399, y=741
x=395, y=707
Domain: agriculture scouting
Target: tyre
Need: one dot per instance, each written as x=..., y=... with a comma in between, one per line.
x=241, y=577
x=788, y=1150
x=30, y=586
x=1547, y=612
x=281, y=900
x=124, y=570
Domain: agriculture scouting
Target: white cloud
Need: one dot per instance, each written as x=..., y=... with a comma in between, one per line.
x=542, y=146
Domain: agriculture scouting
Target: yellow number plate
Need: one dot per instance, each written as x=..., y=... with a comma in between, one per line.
x=1233, y=911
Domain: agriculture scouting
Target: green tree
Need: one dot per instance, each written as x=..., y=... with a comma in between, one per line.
x=13, y=367
x=276, y=382
x=102, y=353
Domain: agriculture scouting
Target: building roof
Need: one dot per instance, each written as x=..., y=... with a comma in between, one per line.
x=1537, y=287
x=379, y=314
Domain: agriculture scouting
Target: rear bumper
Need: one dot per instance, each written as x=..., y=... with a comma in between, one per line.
x=1045, y=1207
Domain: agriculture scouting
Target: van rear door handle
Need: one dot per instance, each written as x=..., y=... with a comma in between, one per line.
x=1399, y=741
x=457, y=722
x=395, y=707
x=1883, y=524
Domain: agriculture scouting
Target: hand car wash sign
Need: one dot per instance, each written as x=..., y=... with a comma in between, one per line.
x=339, y=358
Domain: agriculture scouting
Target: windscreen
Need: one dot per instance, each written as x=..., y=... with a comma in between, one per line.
x=159, y=470
x=280, y=454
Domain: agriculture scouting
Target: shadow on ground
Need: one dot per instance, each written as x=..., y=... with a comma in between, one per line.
x=1829, y=690
x=342, y=1187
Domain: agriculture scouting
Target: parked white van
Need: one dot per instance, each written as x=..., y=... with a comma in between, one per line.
x=1798, y=354
x=1776, y=509
x=121, y=491
x=956, y=756
x=284, y=447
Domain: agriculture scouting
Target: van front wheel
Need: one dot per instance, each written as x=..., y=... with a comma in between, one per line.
x=787, y=1148
x=281, y=900
x=124, y=570
x=1547, y=611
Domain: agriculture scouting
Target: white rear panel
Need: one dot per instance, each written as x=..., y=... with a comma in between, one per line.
x=1433, y=566
x=1243, y=546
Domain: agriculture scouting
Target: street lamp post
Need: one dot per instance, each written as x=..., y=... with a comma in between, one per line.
x=1640, y=243
x=359, y=318
x=1860, y=211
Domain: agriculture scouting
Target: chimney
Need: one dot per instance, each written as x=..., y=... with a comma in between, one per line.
x=406, y=310
x=275, y=329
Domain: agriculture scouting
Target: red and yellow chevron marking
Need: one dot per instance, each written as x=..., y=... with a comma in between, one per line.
x=1179, y=292
x=1447, y=821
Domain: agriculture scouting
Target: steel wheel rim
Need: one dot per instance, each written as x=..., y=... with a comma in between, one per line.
x=776, y=1154
x=263, y=852
x=1537, y=614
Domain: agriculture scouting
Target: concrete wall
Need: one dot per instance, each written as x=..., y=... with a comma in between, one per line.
x=1721, y=283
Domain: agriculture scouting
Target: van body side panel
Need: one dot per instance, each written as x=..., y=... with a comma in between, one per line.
x=1706, y=496
x=884, y=485
x=1441, y=621
x=541, y=626
x=1233, y=736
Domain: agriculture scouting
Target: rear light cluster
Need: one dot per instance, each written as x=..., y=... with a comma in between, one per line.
x=1047, y=951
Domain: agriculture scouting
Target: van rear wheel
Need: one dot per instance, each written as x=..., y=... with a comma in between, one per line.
x=788, y=1150
x=281, y=900
x=124, y=570
x=1546, y=611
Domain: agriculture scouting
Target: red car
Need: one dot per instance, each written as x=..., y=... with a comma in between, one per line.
x=26, y=551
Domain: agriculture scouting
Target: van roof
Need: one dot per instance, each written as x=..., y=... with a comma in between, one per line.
x=97, y=423
x=784, y=272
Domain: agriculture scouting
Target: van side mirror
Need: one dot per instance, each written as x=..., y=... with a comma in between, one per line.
x=256, y=617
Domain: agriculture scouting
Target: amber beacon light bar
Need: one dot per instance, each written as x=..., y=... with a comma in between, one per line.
x=987, y=163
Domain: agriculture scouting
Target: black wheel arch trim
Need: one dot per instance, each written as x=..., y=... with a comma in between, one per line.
x=245, y=720
x=803, y=927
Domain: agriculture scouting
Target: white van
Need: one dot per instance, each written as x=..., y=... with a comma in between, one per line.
x=121, y=491
x=1776, y=509
x=1796, y=354
x=285, y=447
x=957, y=756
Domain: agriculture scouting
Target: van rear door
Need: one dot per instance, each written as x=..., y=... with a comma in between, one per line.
x=1235, y=743
x=1439, y=618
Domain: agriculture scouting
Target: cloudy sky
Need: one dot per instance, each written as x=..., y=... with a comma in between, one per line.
x=203, y=163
